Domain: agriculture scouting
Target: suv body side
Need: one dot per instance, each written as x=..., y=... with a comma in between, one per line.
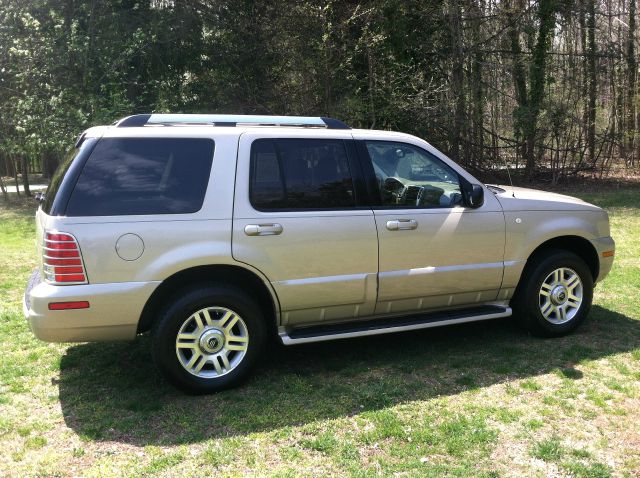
x=331, y=265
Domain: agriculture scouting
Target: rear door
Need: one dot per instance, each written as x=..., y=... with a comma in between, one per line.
x=299, y=218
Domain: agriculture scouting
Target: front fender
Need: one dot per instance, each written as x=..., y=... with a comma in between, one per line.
x=527, y=230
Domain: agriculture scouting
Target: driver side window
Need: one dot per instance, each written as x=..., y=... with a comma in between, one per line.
x=410, y=177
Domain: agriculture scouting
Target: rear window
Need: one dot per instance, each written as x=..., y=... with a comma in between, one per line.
x=125, y=176
x=293, y=174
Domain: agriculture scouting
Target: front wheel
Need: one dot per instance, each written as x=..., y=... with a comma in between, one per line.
x=554, y=295
x=208, y=338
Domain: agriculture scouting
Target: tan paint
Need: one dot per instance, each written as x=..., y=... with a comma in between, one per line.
x=330, y=266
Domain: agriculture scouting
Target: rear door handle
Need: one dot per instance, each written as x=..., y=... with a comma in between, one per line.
x=263, y=229
x=402, y=224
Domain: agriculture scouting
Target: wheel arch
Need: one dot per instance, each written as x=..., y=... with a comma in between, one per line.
x=576, y=244
x=243, y=278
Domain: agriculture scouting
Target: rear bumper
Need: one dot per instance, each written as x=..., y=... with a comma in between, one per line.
x=604, y=244
x=113, y=313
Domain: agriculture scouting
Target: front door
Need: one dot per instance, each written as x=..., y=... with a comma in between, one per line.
x=434, y=251
x=298, y=219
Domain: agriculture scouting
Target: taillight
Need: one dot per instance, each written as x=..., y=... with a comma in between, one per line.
x=61, y=259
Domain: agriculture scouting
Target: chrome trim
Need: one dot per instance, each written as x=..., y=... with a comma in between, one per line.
x=70, y=258
x=156, y=118
x=50, y=266
x=323, y=279
x=52, y=249
x=402, y=224
x=286, y=340
x=433, y=269
x=263, y=229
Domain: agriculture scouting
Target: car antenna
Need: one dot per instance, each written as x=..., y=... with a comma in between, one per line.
x=506, y=164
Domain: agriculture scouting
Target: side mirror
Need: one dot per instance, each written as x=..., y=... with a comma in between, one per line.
x=475, y=196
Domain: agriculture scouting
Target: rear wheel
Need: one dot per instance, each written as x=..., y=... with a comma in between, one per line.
x=208, y=338
x=554, y=295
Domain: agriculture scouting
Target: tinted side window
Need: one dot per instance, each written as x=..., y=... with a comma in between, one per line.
x=409, y=176
x=300, y=174
x=125, y=176
x=64, y=178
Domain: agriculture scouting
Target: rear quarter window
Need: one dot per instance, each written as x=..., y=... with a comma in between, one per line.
x=134, y=176
x=65, y=177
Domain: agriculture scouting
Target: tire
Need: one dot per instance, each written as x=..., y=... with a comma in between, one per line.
x=222, y=332
x=554, y=294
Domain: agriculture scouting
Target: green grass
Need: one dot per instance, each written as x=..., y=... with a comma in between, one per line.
x=481, y=399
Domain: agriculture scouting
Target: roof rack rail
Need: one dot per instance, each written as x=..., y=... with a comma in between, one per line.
x=229, y=120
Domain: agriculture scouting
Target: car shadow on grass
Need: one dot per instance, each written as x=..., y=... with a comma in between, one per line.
x=113, y=391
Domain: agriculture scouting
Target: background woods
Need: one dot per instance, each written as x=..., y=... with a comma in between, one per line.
x=547, y=86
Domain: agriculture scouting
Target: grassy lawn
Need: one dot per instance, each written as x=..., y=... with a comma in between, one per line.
x=475, y=400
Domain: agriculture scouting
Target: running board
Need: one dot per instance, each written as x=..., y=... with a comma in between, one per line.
x=322, y=333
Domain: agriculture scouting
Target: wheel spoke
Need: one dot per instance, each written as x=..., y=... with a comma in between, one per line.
x=224, y=357
x=207, y=317
x=230, y=323
x=557, y=275
x=236, y=342
x=546, y=309
x=225, y=318
x=186, y=341
x=572, y=282
x=198, y=320
x=201, y=364
x=196, y=355
x=562, y=313
x=216, y=364
x=573, y=301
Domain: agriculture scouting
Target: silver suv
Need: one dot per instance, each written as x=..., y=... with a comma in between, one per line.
x=214, y=232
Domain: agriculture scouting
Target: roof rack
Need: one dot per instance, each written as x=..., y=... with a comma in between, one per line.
x=229, y=120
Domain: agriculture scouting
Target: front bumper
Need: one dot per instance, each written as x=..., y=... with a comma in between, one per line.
x=113, y=313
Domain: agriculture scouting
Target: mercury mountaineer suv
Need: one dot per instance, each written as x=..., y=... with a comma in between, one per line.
x=215, y=232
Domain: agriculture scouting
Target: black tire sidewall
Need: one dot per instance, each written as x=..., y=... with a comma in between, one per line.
x=526, y=303
x=179, y=308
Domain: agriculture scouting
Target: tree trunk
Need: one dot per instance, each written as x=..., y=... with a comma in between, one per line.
x=632, y=91
x=25, y=175
x=5, y=196
x=14, y=163
x=538, y=74
x=584, y=90
x=520, y=85
x=457, y=78
x=49, y=163
x=476, y=86
x=592, y=82
x=372, y=85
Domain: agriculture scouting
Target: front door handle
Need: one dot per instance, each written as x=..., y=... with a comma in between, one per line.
x=402, y=224
x=262, y=229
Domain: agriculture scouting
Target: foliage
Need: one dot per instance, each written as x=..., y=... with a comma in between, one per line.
x=549, y=84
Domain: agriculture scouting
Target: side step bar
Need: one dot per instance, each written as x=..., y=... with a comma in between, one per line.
x=322, y=333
